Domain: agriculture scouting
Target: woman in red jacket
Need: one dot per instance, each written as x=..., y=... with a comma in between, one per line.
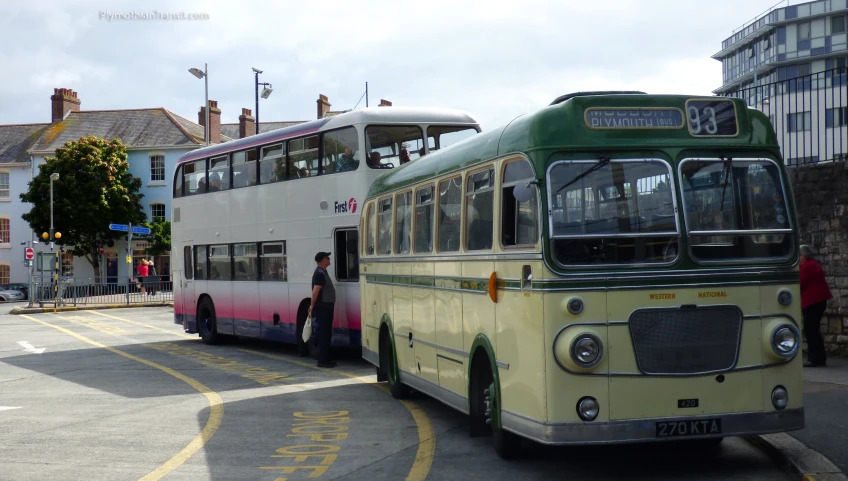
x=814, y=296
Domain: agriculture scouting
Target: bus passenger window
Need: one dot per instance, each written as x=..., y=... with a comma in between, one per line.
x=244, y=168
x=441, y=136
x=479, y=210
x=384, y=227
x=219, y=174
x=369, y=227
x=424, y=220
x=404, y=222
x=200, y=262
x=188, y=271
x=245, y=262
x=272, y=167
x=219, y=263
x=347, y=255
x=388, y=147
x=194, y=178
x=519, y=219
x=303, y=155
x=273, y=262
x=341, y=151
x=450, y=212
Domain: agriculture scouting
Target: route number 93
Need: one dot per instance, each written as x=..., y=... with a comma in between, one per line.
x=710, y=124
x=711, y=117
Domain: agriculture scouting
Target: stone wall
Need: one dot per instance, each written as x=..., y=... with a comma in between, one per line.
x=821, y=197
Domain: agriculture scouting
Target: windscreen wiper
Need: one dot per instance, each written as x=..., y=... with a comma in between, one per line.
x=726, y=171
x=602, y=161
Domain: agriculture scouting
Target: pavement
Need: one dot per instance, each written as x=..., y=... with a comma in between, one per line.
x=820, y=450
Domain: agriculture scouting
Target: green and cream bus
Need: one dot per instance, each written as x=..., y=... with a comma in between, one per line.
x=615, y=267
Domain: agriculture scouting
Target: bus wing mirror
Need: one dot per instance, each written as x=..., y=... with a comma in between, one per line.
x=524, y=192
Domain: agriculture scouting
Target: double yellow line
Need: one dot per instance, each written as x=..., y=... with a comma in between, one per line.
x=426, y=438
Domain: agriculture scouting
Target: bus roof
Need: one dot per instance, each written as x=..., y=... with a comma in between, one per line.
x=412, y=115
x=562, y=126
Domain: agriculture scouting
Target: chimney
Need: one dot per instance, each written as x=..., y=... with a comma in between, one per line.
x=323, y=106
x=214, y=121
x=63, y=101
x=247, y=124
x=384, y=103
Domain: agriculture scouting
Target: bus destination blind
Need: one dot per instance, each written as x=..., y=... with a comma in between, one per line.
x=634, y=118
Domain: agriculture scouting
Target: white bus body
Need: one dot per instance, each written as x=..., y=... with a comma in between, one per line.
x=244, y=228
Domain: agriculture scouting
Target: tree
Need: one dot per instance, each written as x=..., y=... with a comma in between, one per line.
x=160, y=237
x=94, y=189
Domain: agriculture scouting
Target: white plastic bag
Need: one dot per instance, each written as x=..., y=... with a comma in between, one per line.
x=307, y=329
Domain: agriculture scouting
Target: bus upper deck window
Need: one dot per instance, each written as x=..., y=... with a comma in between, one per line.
x=387, y=147
x=272, y=167
x=341, y=151
x=441, y=136
x=244, y=168
x=219, y=174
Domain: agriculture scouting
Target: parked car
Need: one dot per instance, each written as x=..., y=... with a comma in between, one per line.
x=16, y=287
x=9, y=296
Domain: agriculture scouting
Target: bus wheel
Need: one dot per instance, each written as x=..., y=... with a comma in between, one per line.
x=484, y=407
x=207, y=324
x=389, y=367
x=302, y=347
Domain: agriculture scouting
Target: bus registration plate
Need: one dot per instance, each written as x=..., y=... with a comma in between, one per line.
x=700, y=427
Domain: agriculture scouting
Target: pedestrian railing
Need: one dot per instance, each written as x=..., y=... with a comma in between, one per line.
x=67, y=291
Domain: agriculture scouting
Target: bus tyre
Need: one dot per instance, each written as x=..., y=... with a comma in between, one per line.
x=485, y=407
x=389, y=367
x=207, y=324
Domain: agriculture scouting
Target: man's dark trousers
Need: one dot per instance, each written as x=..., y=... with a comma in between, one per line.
x=323, y=314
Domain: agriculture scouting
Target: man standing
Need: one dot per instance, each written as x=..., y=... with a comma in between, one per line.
x=321, y=308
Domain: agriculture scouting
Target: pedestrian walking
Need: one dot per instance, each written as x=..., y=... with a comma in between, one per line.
x=321, y=308
x=814, y=296
x=142, y=272
x=152, y=276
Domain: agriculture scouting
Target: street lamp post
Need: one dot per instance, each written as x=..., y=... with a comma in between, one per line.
x=204, y=75
x=266, y=92
x=53, y=176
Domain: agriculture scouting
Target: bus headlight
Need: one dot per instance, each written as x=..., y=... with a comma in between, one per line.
x=784, y=298
x=779, y=397
x=586, y=350
x=785, y=340
x=588, y=408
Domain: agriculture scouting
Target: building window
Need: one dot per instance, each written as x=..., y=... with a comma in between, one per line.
x=836, y=117
x=157, y=168
x=837, y=25
x=4, y=232
x=4, y=185
x=5, y=274
x=805, y=69
x=67, y=264
x=799, y=122
x=804, y=31
x=157, y=211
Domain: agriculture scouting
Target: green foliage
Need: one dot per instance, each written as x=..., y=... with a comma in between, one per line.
x=94, y=189
x=160, y=237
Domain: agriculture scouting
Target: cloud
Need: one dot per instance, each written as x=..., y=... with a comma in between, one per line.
x=495, y=60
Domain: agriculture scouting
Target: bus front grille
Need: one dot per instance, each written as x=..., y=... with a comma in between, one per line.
x=686, y=340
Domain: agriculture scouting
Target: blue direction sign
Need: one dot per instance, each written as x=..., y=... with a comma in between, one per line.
x=140, y=230
x=120, y=227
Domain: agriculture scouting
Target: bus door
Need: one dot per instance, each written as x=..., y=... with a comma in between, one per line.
x=186, y=298
x=347, y=290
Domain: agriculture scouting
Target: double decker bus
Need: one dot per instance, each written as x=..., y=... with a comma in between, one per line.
x=615, y=267
x=250, y=214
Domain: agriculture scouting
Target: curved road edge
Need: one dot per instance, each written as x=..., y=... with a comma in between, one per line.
x=797, y=458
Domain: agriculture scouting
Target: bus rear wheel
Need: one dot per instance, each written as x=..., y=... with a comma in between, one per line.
x=207, y=323
x=388, y=366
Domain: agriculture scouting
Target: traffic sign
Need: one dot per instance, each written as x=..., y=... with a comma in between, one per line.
x=129, y=259
x=119, y=227
x=140, y=230
x=29, y=253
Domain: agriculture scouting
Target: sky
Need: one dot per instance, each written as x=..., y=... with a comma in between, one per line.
x=493, y=60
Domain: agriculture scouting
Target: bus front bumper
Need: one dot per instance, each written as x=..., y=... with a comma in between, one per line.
x=646, y=430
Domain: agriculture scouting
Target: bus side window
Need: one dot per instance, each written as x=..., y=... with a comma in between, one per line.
x=303, y=157
x=245, y=262
x=519, y=220
x=200, y=261
x=369, y=227
x=479, y=210
x=188, y=271
x=272, y=167
x=178, y=182
x=219, y=263
x=273, y=262
x=450, y=213
x=341, y=151
x=347, y=255
x=219, y=174
x=384, y=227
x=424, y=220
x=244, y=168
x=404, y=222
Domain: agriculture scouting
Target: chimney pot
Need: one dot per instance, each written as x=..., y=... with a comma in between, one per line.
x=62, y=102
x=323, y=105
x=384, y=103
x=214, y=121
x=247, y=124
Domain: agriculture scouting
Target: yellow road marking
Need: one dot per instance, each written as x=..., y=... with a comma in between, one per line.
x=807, y=477
x=149, y=326
x=426, y=438
x=216, y=404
